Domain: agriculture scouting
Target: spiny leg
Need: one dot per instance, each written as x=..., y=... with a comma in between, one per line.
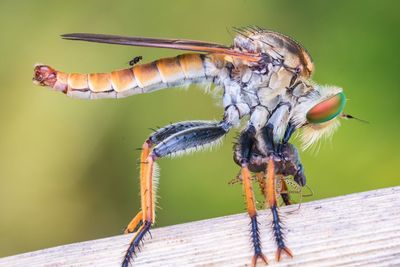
x=135, y=242
x=145, y=218
x=251, y=210
x=276, y=223
x=138, y=219
x=278, y=149
x=179, y=138
x=246, y=142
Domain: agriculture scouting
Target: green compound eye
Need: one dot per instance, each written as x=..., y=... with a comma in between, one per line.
x=327, y=110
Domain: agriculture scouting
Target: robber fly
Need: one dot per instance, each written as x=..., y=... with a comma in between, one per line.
x=266, y=81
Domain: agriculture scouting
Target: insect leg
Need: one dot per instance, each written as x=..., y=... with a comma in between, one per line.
x=278, y=123
x=173, y=139
x=144, y=219
x=246, y=142
x=276, y=222
x=290, y=129
x=165, y=132
x=190, y=139
x=261, y=181
x=157, y=137
x=138, y=219
x=300, y=177
x=285, y=192
x=284, y=151
x=267, y=135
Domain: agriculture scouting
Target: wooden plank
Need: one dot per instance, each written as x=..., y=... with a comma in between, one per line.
x=360, y=229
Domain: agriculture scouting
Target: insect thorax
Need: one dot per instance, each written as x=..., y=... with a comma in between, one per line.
x=267, y=84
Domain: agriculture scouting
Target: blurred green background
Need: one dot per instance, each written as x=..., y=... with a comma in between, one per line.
x=68, y=167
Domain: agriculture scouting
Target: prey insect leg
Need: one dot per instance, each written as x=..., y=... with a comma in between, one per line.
x=285, y=192
x=261, y=181
x=246, y=142
x=170, y=140
x=276, y=222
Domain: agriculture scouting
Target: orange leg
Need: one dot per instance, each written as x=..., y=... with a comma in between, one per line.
x=138, y=219
x=276, y=223
x=251, y=210
x=145, y=218
x=171, y=139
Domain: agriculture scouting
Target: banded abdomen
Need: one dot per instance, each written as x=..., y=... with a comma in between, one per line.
x=143, y=78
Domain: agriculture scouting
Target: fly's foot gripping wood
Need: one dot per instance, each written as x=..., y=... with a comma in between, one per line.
x=135, y=243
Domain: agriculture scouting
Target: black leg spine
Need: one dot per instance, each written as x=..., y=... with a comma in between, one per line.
x=277, y=228
x=135, y=244
x=255, y=235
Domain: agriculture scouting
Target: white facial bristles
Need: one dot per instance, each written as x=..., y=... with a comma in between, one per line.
x=312, y=133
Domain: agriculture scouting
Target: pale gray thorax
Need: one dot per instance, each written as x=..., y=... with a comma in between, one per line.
x=261, y=97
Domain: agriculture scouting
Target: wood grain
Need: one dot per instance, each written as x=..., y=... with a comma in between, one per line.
x=360, y=229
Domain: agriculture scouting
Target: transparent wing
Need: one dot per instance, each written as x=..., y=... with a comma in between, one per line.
x=181, y=44
x=276, y=45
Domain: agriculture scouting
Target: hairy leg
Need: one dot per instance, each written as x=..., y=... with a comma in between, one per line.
x=246, y=142
x=272, y=202
x=170, y=140
x=154, y=139
x=277, y=158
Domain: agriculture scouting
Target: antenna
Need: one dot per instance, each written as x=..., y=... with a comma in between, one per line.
x=348, y=116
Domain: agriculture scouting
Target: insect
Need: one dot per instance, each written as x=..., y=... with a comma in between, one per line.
x=266, y=82
x=135, y=60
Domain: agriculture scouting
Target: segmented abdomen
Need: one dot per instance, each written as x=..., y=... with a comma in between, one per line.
x=143, y=78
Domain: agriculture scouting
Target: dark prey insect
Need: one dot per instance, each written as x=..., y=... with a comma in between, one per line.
x=266, y=81
x=135, y=60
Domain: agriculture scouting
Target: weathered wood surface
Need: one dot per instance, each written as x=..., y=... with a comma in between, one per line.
x=355, y=230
